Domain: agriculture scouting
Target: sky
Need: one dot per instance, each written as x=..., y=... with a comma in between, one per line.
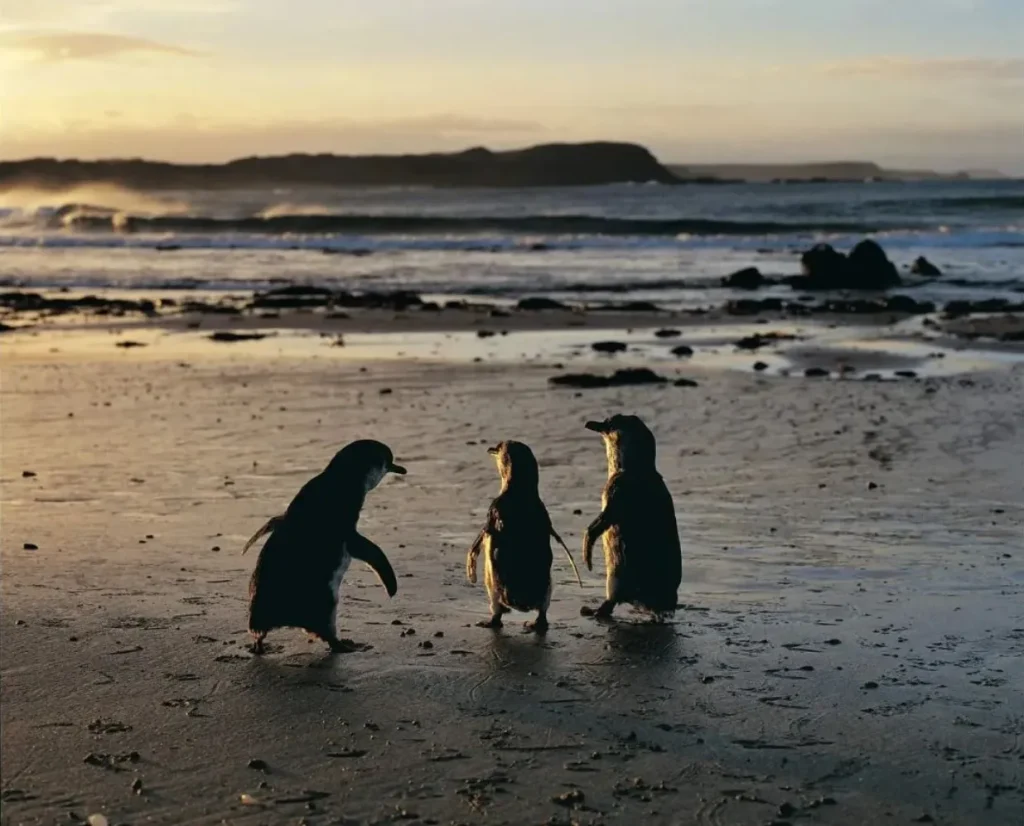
x=908, y=83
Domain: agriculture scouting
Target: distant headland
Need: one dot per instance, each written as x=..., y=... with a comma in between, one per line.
x=554, y=164
x=834, y=172
x=578, y=164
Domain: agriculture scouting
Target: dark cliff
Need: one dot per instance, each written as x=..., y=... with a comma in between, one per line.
x=546, y=165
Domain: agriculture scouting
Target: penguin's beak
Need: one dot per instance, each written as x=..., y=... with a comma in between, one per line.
x=597, y=427
x=393, y=468
x=494, y=451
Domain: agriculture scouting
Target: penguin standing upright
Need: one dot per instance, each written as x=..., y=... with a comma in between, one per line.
x=300, y=568
x=516, y=541
x=643, y=559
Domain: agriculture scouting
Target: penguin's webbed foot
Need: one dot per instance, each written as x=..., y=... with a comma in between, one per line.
x=493, y=622
x=257, y=647
x=537, y=626
x=339, y=646
x=603, y=611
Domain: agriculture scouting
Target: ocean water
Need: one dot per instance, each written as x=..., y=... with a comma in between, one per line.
x=668, y=244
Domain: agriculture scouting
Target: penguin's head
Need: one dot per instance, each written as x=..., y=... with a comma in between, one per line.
x=628, y=442
x=515, y=461
x=368, y=459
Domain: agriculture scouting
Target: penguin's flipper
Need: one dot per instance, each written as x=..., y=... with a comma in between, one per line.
x=267, y=528
x=568, y=553
x=361, y=548
x=474, y=552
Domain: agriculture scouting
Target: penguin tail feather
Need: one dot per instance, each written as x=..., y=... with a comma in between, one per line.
x=267, y=528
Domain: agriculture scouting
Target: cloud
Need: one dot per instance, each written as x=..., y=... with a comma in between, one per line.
x=94, y=12
x=930, y=68
x=61, y=46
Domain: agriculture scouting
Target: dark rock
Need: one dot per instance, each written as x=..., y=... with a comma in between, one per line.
x=430, y=306
x=922, y=266
x=751, y=306
x=397, y=300
x=210, y=309
x=293, y=296
x=34, y=302
x=906, y=304
x=484, y=333
x=30, y=546
x=620, y=378
x=499, y=314
x=257, y=764
x=866, y=268
x=870, y=267
x=608, y=346
x=759, y=366
x=628, y=307
x=667, y=333
x=758, y=340
x=129, y=343
x=906, y=374
x=815, y=372
x=746, y=279
x=541, y=304
x=685, y=383
x=682, y=350
x=228, y=337
x=27, y=474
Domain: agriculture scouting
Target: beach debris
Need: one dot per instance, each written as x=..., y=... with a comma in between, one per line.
x=682, y=350
x=922, y=266
x=608, y=346
x=620, y=378
x=227, y=337
x=749, y=278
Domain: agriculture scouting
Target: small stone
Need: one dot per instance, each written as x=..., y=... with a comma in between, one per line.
x=386, y=391
x=760, y=366
x=257, y=764
x=872, y=486
x=215, y=548
x=570, y=798
x=27, y=474
x=137, y=785
x=870, y=684
x=707, y=679
x=438, y=634
x=97, y=820
x=786, y=809
x=427, y=644
x=31, y=546
x=815, y=372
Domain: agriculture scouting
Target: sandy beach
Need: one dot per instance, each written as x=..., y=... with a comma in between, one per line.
x=850, y=650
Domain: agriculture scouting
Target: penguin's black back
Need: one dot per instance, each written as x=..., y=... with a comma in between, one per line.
x=644, y=539
x=290, y=585
x=520, y=536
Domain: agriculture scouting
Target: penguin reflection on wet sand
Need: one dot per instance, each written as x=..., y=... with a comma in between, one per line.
x=643, y=559
x=516, y=541
x=300, y=568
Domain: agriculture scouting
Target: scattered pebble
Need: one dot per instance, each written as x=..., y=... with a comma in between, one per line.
x=30, y=546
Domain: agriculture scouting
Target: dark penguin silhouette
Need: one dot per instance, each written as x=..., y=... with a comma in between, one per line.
x=516, y=541
x=642, y=556
x=300, y=568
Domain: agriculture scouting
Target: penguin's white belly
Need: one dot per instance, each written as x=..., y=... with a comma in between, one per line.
x=339, y=574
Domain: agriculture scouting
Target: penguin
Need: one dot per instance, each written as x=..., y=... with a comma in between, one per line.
x=301, y=566
x=643, y=559
x=516, y=541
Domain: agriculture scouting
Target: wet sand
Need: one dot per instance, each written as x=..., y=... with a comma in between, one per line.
x=851, y=649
